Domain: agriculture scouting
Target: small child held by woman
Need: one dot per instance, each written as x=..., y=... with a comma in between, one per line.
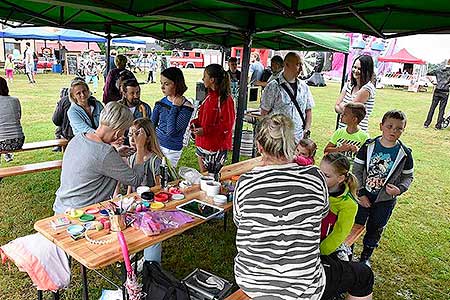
x=342, y=189
x=305, y=152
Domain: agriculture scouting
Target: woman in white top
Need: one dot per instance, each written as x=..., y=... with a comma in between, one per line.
x=359, y=89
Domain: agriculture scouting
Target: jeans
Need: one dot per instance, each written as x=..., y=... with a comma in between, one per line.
x=153, y=253
x=441, y=98
x=375, y=218
x=94, y=79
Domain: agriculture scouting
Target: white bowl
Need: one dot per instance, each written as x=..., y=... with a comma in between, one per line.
x=142, y=189
x=204, y=180
x=220, y=199
x=212, y=188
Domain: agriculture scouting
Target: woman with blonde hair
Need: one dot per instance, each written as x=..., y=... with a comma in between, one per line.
x=84, y=111
x=278, y=208
x=92, y=166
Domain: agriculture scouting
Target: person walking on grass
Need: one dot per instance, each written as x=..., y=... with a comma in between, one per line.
x=91, y=70
x=29, y=63
x=440, y=96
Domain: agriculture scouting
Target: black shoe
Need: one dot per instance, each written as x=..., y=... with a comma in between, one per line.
x=438, y=127
x=426, y=126
x=365, y=255
x=57, y=149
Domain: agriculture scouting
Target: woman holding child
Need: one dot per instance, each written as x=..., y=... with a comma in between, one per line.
x=278, y=209
x=359, y=89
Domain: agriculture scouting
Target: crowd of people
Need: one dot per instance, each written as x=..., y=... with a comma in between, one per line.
x=292, y=216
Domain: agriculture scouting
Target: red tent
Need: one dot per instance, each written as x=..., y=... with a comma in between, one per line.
x=403, y=56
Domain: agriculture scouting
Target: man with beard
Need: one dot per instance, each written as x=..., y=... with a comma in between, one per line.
x=131, y=97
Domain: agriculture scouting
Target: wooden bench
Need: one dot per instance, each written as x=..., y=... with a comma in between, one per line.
x=357, y=231
x=35, y=167
x=41, y=145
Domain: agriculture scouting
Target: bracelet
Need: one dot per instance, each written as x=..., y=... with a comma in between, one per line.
x=101, y=241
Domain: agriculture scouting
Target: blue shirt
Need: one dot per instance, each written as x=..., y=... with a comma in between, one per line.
x=257, y=70
x=171, y=122
x=79, y=119
x=380, y=164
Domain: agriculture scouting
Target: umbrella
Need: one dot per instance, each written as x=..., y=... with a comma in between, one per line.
x=134, y=289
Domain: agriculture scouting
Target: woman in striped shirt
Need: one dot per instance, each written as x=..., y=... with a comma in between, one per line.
x=278, y=209
x=359, y=89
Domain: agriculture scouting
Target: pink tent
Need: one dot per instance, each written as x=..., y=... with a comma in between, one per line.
x=403, y=56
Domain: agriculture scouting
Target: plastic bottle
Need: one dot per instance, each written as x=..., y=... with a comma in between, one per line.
x=164, y=174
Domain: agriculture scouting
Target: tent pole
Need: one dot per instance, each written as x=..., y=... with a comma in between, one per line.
x=108, y=47
x=242, y=99
x=4, y=49
x=344, y=72
x=222, y=58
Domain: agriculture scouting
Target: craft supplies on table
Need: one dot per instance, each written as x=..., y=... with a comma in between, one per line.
x=60, y=222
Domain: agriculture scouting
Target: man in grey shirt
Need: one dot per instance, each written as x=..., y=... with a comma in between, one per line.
x=92, y=166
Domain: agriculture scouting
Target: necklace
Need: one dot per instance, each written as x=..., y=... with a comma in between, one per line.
x=101, y=241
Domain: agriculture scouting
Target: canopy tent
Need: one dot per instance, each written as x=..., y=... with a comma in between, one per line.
x=51, y=34
x=128, y=41
x=229, y=22
x=403, y=56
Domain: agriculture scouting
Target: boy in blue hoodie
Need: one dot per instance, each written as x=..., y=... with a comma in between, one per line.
x=384, y=169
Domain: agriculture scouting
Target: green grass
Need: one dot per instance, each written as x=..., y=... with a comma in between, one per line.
x=412, y=261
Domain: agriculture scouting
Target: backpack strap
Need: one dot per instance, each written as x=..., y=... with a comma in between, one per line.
x=294, y=100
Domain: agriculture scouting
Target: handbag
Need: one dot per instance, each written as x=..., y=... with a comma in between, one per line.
x=159, y=284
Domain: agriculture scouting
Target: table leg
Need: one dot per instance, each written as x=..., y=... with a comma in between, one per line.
x=225, y=221
x=85, y=283
x=40, y=296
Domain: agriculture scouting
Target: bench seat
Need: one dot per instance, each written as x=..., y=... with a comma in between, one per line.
x=31, y=168
x=41, y=145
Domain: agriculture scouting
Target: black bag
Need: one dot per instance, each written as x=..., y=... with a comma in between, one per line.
x=161, y=285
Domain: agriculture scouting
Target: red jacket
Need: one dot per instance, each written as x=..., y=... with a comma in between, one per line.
x=217, y=123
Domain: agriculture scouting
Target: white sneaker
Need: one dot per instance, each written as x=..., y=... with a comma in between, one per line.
x=9, y=157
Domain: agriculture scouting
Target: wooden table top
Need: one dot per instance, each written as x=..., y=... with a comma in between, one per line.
x=95, y=256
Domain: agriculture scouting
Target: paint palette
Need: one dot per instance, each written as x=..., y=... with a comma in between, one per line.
x=87, y=218
x=76, y=231
x=74, y=213
x=157, y=205
x=91, y=211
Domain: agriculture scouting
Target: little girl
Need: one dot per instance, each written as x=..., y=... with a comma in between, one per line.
x=9, y=68
x=342, y=186
x=152, y=156
x=305, y=152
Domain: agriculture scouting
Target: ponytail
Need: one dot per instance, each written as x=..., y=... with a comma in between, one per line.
x=341, y=166
x=222, y=80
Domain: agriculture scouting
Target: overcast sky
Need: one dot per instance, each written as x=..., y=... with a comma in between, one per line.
x=433, y=48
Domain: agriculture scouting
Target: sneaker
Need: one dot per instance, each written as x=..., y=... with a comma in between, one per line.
x=9, y=157
x=425, y=126
x=140, y=265
x=57, y=149
x=366, y=262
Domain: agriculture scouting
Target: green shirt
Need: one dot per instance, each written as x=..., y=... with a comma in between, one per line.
x=341, y=136
x=345, y=208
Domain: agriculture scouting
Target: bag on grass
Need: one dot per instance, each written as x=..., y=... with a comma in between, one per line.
x=161, y=285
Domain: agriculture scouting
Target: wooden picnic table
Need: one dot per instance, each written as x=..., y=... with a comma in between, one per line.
x=95, y=256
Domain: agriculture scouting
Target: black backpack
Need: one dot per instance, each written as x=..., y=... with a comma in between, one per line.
x=161, y=285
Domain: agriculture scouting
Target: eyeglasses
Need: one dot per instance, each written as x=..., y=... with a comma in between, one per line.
x=396, y=130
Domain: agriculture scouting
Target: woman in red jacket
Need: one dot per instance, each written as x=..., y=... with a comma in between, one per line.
x=213, y=127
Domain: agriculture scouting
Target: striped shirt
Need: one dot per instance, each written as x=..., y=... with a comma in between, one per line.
x=278, y=211
x=364, y=125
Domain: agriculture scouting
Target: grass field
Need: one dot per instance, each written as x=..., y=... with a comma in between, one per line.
x=412, y=262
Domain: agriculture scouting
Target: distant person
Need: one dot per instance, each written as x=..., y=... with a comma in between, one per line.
x=213, y=127
x=171, y=115
x=235, y=76
x=360, y=89
x=349, y=140
x=279, y=95
x=9, y=68
x=256, y=68
x=111, y=90
x=11, y=133
x=62, y=58
x=164, y=62
x=233, y=72
x=29, y=63
x=112, y=64
x=153, y=66
x=384, y=168
x=440, y=95
x=91, y=70
x=84, y=111
x=276, y=66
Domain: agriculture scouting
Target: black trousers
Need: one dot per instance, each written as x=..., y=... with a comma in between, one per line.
x=439, y=98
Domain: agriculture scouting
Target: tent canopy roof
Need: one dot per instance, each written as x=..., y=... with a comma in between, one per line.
x=225, y=22
x=404, y=57
x=51, y=34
